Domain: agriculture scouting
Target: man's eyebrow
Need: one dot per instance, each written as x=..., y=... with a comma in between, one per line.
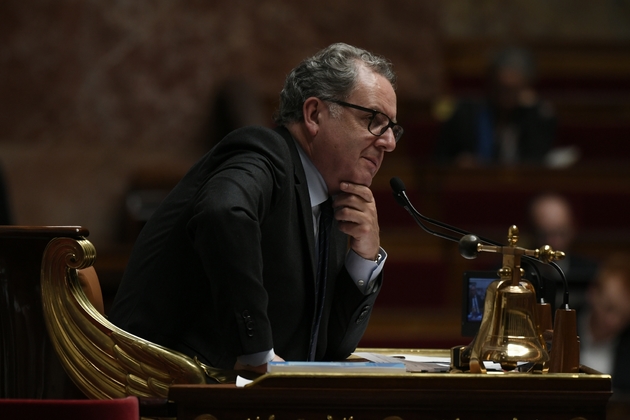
x=379, y=109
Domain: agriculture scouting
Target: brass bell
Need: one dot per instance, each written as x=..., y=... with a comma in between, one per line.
x=510, y=330
x=512, y=335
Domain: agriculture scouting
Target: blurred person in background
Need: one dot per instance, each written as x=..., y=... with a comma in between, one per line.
x=604, y=327
x=510, y=125
x=553, y=223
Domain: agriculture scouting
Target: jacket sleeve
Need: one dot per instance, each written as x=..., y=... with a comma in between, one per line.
x=349, y=316
x=225, y=229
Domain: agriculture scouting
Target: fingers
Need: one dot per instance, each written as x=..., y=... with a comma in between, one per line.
x=355, y=212
x=354, y=197
x=349, y=209
x=359, y=190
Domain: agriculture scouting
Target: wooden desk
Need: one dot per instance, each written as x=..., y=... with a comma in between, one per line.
x=407, y=396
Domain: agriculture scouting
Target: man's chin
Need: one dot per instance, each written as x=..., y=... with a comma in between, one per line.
x=369, y=177
x=364, y=177
x=367, y=182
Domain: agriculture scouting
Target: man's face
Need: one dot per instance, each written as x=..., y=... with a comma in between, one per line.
x=344, y=149
x=553, y=223
x=610, y=301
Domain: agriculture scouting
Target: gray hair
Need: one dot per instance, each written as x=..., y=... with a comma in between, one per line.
x=329, y=74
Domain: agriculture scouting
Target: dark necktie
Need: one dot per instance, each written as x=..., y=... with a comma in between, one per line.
x=325, y=221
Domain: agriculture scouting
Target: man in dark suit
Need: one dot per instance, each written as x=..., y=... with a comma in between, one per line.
x=226, y=269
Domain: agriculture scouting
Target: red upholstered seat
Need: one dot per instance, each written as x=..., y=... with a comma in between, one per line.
x=28, y=409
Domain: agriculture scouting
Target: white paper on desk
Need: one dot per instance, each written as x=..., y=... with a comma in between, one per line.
x=413, y=363
x=241, y=382
x=495, y=367
x=418, y=363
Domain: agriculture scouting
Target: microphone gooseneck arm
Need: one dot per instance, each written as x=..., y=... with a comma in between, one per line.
x=401, y=198
x=406, y=204
x=468, y=242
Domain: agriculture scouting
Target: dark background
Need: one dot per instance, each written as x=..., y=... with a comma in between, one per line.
x=103, y=105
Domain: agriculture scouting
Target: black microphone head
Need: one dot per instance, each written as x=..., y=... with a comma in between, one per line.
x=468, y=246
x=399, y=190
x=397, y=185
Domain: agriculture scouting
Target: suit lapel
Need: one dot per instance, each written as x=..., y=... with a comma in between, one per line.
x=303, y=200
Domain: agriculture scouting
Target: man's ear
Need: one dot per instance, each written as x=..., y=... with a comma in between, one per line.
x=312, y=112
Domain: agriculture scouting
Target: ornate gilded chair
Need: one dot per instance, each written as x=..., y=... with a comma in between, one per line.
x=55, y=342
x=103, y=360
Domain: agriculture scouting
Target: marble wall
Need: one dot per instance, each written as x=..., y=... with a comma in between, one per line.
x=91, y=92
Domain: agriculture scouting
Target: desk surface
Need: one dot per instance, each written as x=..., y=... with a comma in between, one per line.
x=461, y=396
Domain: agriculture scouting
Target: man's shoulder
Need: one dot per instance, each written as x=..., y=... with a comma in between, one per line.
x=258, y=138
x=258, y=131
x=264, y=147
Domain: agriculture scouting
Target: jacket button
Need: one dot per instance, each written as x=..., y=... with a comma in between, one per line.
x=364, y=313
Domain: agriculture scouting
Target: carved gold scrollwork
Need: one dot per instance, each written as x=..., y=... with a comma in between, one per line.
x=103, y=360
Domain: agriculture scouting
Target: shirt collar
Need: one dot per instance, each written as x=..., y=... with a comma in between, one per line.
x=316, y=186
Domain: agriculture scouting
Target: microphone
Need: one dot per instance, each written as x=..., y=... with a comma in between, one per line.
x=468, y=241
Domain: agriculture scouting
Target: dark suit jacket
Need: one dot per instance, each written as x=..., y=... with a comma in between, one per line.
x=621, y=365
x=226, y=265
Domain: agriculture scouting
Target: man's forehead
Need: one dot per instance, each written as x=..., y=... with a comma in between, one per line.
x=370, y=79
x=373, y=90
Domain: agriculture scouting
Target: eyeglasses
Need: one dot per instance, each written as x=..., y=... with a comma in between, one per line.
x=379, y=122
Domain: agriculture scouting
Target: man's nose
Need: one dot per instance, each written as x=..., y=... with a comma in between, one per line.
x=387, y=140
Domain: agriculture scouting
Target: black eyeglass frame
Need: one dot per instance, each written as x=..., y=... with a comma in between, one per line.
x=396, y=128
